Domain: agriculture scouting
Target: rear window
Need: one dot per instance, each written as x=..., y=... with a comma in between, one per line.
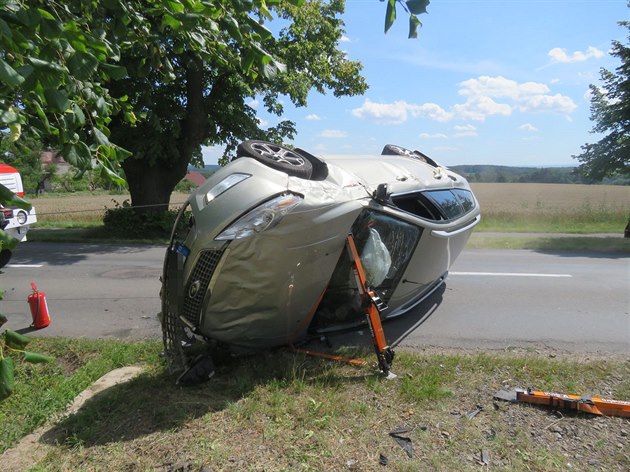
x=437, y=205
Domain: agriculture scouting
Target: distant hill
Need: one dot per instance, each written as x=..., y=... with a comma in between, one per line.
x=495, y=173
x=545, y=175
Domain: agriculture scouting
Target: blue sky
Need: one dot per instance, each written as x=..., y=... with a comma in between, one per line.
x=487, y=82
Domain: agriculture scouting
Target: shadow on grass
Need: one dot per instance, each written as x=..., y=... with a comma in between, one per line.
x=152, y=403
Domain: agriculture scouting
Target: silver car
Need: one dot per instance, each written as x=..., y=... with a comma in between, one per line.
x=257, y=255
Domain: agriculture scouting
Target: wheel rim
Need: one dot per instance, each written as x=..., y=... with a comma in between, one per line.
x=278, y=154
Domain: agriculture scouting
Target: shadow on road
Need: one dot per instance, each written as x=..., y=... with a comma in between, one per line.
x=584, y=246
x=58, y=254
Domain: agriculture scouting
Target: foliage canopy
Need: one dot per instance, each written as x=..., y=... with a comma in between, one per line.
x=610, y=110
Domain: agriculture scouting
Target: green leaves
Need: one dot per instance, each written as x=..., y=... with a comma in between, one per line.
x=7, y=382
x=9, y=76
x=413, y=7
x=8, y=198
x=15, y=340
x=35, y=358
x=390, y=14
x=417, y=7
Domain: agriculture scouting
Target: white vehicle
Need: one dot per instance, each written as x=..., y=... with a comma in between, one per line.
x=14, y=221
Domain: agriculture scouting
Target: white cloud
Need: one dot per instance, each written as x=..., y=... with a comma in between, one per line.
x=333, y=133
x=482, y=100
x=398, y=112
x=528, y=127
x=429, y=110
x=527, y=97
x=313, y=117
x=432, y=136
x=392, y=113
x=344, y=39
x=253, y=103
x=461, y=131
x=464, y=131
x=477, y=108
x=560, y=55
x=500, y=87
x=558, y=103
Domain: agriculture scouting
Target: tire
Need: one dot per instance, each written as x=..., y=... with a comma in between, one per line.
x=5, y=257
x=392, y=149
x=277, y=157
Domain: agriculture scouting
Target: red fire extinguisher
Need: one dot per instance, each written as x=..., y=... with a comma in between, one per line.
x=39, y=308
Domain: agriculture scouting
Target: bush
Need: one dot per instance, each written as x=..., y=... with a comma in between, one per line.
x=126, y=222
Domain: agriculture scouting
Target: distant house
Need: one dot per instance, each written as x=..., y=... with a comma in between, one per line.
x=49, y=159
x=196, y=178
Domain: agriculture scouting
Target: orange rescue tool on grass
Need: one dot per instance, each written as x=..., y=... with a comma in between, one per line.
x=39, y=308
x=593, y=405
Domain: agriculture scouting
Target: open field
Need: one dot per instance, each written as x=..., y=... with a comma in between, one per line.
x=81, y=209
x=505, y=207
x=553, y=207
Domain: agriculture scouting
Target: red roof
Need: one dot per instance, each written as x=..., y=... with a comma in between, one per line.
x=195, y=177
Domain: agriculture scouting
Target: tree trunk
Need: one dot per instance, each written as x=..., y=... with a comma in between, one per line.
x=151, y=186
x=151, y=181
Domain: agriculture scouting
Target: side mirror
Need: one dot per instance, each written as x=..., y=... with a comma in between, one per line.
x=380, y=194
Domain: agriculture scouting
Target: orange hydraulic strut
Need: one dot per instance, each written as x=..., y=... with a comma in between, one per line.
x=593, y=405
x=373, y=306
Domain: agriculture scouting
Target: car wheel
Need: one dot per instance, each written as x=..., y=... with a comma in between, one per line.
x=392, y=149
x=5, y=257
x=277, y=157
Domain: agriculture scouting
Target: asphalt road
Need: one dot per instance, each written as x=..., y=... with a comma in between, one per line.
x=493, y=299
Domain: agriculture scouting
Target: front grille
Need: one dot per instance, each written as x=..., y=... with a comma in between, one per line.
x=198, y=285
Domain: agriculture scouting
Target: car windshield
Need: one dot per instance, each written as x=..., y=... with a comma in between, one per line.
x=385, y=245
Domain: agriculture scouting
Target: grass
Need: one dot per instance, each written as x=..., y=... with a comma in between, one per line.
x=81, y=209
x=43, y=390
x=280, y=411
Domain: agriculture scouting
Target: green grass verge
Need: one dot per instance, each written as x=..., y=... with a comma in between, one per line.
x=552, y=223
x=43, y=390
x=612, y=245
x=280, y=411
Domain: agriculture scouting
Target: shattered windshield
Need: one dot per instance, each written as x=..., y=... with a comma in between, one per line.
x=385, y=245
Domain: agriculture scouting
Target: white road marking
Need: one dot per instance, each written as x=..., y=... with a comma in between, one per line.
x=510, y=274
x=25, y=266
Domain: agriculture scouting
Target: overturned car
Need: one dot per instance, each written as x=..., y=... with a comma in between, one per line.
x=257, y=256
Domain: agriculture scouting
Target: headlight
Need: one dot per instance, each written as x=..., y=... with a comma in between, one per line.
x=261, y=218
x=227, y=183
x=21, y=217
